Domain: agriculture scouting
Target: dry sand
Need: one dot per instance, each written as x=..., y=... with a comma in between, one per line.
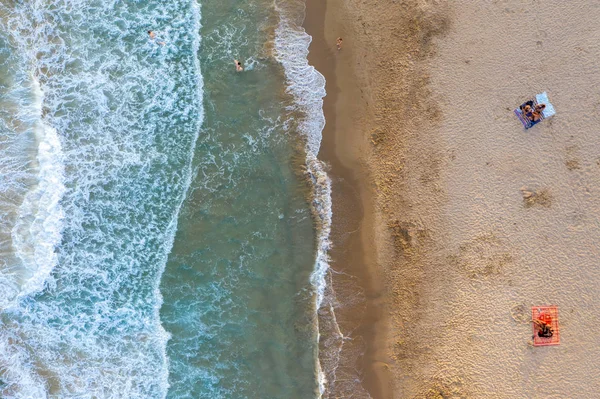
x=424, y=114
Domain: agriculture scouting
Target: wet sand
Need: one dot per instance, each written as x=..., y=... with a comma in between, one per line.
x=356, y=298
x=469, y=220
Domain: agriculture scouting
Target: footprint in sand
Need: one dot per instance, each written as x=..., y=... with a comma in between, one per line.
x=484, y=256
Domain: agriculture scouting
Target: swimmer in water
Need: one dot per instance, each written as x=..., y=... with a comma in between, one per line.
x=152, y=36
x=238, y=66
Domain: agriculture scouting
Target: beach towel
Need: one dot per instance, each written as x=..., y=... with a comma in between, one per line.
x=541, y=98
x=545, y=325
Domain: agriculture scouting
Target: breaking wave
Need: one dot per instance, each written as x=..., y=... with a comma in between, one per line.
x=307, y=86
x=98, y=130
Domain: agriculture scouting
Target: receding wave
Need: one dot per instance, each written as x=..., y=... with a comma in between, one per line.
x=37, y=230
x=98, y=142
x=307, y=86
x=32, y=183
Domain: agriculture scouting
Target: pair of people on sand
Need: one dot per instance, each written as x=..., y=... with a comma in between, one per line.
x=531, y=112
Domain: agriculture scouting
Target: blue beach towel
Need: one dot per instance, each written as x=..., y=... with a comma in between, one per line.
x=541, y=98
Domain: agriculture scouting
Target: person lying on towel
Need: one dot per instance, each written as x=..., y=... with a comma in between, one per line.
x=544, y=329
x=532, y=114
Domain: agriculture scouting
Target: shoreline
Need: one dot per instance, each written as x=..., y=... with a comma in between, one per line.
x=453, y=236
x=353, y=256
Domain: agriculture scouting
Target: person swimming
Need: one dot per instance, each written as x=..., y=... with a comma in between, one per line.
x=152, y=36
x=238, y=66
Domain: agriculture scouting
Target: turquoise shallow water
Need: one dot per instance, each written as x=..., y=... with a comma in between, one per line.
x=236, y=287
x=156, y=236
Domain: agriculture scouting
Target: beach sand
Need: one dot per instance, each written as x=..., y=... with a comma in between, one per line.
x=468, y=219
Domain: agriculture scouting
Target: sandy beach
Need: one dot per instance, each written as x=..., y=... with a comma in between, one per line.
x=466, y=219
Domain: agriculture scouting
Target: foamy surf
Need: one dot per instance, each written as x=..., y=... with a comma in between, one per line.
x=37, y=230
x=307, y=86
x=127, y=112
x=121, y=116
x=33, y=181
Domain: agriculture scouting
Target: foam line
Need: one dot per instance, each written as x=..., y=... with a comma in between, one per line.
x=172, y=230
x=37, y=231
x=307, y=86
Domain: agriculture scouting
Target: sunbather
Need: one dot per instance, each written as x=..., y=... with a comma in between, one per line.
x=540, y=107
x=545, y=331
x=528, y=112
x=534, y=115
x=537, y=113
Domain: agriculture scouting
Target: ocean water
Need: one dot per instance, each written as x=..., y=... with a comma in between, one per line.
x=164, y=219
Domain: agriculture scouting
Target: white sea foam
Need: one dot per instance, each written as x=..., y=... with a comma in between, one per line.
x=172, y=229
x=38, y=227
x=16, y=367
x=127, y=114
x=307, y=86
x=32, y=172
x=32, y=186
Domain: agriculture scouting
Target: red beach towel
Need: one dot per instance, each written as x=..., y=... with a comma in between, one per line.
x=545, y=325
